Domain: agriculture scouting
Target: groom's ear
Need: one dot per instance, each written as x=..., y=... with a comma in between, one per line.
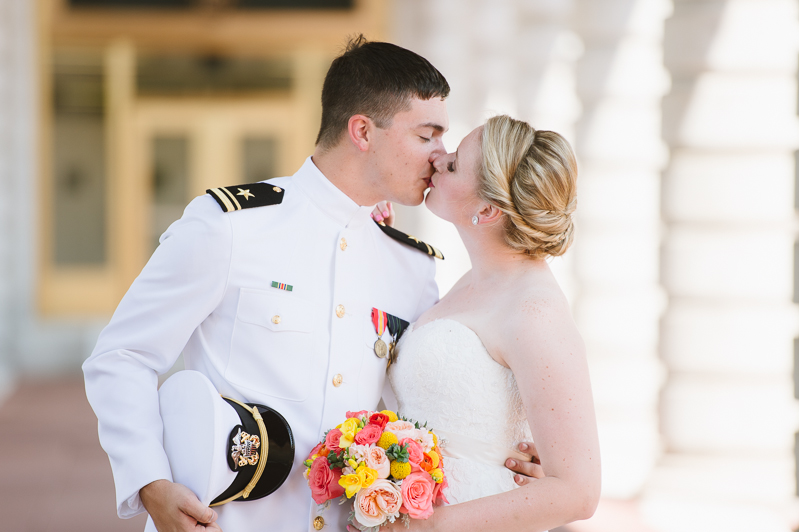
x=359, y=128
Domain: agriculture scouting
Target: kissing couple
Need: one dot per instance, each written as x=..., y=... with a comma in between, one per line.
x=269, y=291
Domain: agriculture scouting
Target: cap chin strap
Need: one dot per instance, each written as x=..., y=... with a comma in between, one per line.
x=261, y=461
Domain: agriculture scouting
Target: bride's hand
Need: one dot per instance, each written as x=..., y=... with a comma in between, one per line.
x=384, y=212
x=526, y=470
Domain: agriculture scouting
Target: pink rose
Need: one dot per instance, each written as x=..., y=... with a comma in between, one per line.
x=417, y=495
x=323, y=481
x=368, y=434
x=332, y=439
x=373, y=505
x=415, y=451
x=358, y=414
x=376, y=459
x=438, y=492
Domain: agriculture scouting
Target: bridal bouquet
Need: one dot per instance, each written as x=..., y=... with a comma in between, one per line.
x=393, y=467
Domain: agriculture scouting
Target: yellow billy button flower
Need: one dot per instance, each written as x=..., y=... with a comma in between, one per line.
x=387, y=439
x=437, y=475
x=400, y=470
x=392, y=416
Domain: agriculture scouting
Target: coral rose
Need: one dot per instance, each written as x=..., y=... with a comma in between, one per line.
x=315, y=451
x=373, y=505
x=323, y=481
x=415, y=452
x=418, y=490
x=332, y=440
x=369, y=434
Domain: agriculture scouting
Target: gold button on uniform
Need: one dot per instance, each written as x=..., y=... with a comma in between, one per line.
x=343, y=244
x=276, y=189
x=318, y=522
x=275, y=319
x=340, y=311
x=337, y=380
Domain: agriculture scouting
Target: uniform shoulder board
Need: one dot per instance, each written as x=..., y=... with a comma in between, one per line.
x=410, y=240
x=239, y=197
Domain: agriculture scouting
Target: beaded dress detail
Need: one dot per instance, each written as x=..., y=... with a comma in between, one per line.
x=445, y=376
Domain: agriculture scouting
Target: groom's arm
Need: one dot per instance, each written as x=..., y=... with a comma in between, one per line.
x=178, y=288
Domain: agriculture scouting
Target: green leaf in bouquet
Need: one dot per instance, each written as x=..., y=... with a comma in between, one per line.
x=398, y=452
x=336, y=460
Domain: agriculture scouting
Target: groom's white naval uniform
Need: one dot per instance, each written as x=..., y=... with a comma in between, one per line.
x=308, y=353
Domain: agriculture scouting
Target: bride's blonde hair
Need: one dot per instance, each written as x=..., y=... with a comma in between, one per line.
x=531, y=176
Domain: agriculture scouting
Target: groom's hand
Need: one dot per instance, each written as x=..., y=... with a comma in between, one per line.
x=384, y=212
x=526, y=470
x=175, y=508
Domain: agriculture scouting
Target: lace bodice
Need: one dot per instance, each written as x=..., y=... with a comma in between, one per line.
x=445, y=376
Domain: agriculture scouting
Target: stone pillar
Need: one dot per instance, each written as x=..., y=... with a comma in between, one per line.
x=621, y=81
x=728, y=408
x=499, y=56
x=17, y=141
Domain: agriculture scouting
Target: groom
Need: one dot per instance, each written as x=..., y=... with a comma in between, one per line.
x=267, y=289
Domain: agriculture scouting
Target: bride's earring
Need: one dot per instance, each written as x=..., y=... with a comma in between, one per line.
x=474, y=220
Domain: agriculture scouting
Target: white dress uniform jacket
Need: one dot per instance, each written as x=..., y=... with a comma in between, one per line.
x=308, y=353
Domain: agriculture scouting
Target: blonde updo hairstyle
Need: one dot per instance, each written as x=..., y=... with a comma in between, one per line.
x=531, y=177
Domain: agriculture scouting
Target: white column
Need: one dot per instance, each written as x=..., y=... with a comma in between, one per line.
x=621, y=81
x=728, y=408
x=499, y=56
x=16, y=174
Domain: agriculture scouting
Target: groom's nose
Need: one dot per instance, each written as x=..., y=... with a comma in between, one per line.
x=438, y=149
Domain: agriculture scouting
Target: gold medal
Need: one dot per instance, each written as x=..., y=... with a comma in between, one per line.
x=381, y=349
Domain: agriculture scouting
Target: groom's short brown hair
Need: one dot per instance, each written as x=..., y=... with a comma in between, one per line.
x=375, y=79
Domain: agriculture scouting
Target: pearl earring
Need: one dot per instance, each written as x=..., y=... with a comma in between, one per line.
x=474, y=220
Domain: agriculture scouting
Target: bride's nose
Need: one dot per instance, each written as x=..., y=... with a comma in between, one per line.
x=440, y=162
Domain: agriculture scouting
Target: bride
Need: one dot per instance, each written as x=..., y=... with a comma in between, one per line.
x=498, y=360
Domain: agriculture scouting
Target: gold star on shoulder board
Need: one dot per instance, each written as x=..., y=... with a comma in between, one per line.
x=246, y=193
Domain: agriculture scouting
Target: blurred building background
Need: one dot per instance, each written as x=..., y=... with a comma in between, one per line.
x=684, y=277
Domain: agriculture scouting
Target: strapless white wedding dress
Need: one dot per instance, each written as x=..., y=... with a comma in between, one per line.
x=444, y=376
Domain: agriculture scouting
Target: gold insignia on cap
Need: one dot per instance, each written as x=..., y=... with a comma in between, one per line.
x=246, y=193
x=244, y=449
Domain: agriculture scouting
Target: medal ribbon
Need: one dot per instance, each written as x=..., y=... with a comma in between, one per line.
x=379, y=319
x=396, y=326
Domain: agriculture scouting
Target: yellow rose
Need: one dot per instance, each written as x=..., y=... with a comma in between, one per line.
x=437, y=475
x=351, y=425
x=348, y=430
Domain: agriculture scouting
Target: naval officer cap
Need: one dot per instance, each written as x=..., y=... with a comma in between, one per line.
x=222, y=449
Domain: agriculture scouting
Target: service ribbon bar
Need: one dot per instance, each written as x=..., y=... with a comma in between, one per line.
x=282, y=286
